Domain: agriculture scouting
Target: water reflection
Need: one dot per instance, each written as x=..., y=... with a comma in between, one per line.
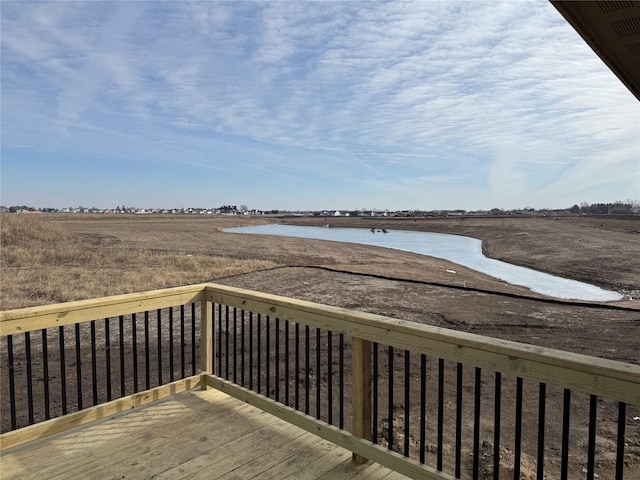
x=464, y=251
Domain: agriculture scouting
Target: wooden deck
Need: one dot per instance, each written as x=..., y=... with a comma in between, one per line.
x=195, y=434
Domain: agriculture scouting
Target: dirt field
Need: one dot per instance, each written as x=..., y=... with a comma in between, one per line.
x=602, y=251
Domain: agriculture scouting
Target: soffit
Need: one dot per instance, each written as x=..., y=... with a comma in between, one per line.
x=612, y=30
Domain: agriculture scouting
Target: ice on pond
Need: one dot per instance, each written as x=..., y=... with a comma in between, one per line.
x=465, y=251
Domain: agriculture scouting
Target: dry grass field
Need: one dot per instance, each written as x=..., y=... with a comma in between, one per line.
x=42, y=262
x=55, y=258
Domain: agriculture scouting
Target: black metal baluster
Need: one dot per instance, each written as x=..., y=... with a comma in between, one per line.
x=407, y=400
x=159, y=333
x=622, y=416
x=78, y=366
x=440, y=413
x=496, y=426
x=297, y=364
x=242, y=348
x=518, y=432
x=193, y=340
x=329, y=379
x=390, y=398
x=63, y=373
x=306, y=369
x=374, y=426
x=566, y=420
x=476, y=423
x=268, y=356
x=27, y=347
x=94, y=364
x=182, y=344
x=286, y=362
x=121, y=343
x=235, y=345
x=259, y=326
x=341, y=385
x=12, y=383
x=45, y=373
x=458, y=420
x=215, y=333
x=171, y=375
x=542, y=402
x=591, y=449
x=423, y=406
x=220, y=342
x=277, y=334
x=107, y=357
x=147, y=368
x=318, y=387
x=250, y=350
x=134, y=345
x=226, y=342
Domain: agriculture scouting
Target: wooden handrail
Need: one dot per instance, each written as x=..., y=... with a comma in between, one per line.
x=55, y=315
x=608, y=378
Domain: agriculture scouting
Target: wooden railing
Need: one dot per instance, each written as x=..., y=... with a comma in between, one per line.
x=425, y=401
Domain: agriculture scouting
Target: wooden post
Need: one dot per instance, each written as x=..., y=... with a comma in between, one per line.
x=206, y=338
x=361, y=392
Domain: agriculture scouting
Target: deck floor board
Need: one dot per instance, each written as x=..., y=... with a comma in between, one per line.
x=195, y=434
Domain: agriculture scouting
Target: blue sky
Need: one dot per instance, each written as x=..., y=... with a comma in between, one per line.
x=311, y=105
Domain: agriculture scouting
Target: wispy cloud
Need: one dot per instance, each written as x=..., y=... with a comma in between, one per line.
x=441, y=103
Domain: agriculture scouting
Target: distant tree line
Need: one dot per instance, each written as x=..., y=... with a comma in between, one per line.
x=612, y=208
x=618, y=208
x=228, y=209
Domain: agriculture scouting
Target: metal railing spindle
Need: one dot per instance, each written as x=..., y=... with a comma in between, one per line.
x=407, y=401
x=318, y=384
x=12, y=384
x=341, y=381
x=329, y=379
x=496, y=425
x=193, y=339
x=476, y=423
x=423, y=406
x=440, y=414
x=591, y=448
x=171, y=360
x=107, y=355
x=622, y=417
x=518, y=429
x=45, y=374
x=63, y=373
x=458, y=455
x=542, y=403
x=159, y=334
x=566, y=417
x=27, y=346
x=121, y=343
x=374, y=394
x=390, y=398
x=182, y=344
x=147, y=366
x=134, y=352
x=94, y=364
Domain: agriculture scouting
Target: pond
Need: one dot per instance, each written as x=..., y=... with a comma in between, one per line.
x=465, y=251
